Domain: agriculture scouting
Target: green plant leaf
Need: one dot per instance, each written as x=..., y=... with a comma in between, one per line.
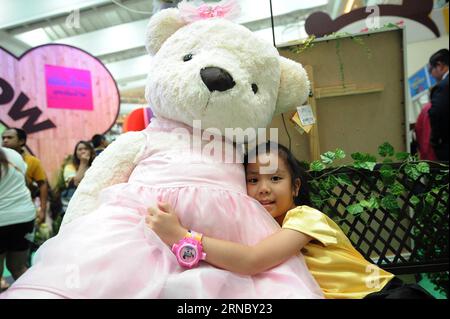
x=431, y=196
x=412, y=172
x=402, y=156
x=332, y=182
x=355, y=209
x=388, y=174
x=343, y=179
x=363, y=157
x=387, y=160
x=397, y=189
x=357, y=156
x=340, y=154
x=317, y=166
x=324, y=193
x=317, y=200
x=386, y=149
x=414, y=200
x=365, y=165
x=389, y=202
x=423, y=168
x=328, y=157
x=372, y=203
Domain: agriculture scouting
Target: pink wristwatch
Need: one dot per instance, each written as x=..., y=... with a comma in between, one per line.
x=189, y=250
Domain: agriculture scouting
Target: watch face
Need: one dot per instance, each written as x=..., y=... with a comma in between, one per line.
x=188, y=253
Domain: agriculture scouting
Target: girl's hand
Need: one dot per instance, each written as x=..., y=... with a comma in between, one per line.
x=164, y=222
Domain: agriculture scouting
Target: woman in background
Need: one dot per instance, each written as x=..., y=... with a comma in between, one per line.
x=17, y=214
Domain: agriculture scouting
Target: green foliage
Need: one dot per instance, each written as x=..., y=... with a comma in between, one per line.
x=402, y=156
x=304, y=45
x=355, y=209
x=317, y=166
x=390, y=182
x=388, y=174
x=337, y=36
x=386, y=149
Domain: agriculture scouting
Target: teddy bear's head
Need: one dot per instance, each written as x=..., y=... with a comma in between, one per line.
x=218, y=72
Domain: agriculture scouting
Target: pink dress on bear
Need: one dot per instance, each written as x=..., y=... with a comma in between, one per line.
x=111, y=253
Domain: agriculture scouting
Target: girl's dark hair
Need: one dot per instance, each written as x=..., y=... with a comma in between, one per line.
x=3, y=162
x=295, y=169
x=76, y=160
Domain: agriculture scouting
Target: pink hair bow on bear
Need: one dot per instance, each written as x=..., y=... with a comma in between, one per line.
x=226, y=9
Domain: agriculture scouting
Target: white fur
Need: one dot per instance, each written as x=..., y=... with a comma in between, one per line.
x=175, y=89
x=161, y=27
x=294, y=86
x=114, y=165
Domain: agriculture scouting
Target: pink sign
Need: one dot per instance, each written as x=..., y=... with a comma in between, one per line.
x=68, y=88
x=59, y=95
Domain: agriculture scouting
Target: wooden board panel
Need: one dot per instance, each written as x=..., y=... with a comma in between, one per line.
x=355, y=122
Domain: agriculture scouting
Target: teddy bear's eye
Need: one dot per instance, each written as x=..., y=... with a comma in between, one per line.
x=187, y=57
x=254, y=88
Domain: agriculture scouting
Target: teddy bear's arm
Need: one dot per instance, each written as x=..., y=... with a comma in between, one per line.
x=114, y=165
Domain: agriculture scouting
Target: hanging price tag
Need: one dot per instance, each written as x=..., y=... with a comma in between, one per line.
x=306, y=115
x=299, y=126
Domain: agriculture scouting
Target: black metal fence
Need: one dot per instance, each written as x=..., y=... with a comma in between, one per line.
x=411, y=240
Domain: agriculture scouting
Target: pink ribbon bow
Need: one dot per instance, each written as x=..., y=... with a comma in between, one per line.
x=205, y=11
x=228, y=9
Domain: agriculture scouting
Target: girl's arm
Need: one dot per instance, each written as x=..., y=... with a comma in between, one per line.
x=243, y=259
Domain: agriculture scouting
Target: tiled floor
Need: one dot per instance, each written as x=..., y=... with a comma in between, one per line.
x=425, y=283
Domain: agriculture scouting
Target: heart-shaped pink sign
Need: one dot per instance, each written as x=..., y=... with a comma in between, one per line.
x=59, y=95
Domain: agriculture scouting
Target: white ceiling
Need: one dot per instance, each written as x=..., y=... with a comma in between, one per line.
x=113, y=30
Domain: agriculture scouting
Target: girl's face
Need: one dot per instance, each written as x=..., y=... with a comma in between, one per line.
x=274, y=191
x=82, y=149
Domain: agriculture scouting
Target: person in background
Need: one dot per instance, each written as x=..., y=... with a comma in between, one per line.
x=438, y=112
x=17, y=214
x=73, y=171
x=16, y=139
x=99, y=142
x=422, y=130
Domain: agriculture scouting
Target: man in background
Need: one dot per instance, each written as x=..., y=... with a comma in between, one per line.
x=99, y=142
x=438, y=112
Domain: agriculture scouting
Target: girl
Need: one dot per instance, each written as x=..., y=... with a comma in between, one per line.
x=73, y=172
x=83, y=155
x=340, y=270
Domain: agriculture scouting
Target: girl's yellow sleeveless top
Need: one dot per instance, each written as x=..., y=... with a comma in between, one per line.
x=339, y=269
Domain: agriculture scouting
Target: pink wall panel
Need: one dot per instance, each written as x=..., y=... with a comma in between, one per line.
x=72, y=96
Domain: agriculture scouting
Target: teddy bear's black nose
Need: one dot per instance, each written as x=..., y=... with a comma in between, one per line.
x=217, y=79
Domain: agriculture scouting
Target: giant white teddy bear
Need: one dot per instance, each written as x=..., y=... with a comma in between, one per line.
x=213, y=71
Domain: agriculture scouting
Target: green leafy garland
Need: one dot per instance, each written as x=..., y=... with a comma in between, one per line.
x=409, y=165
x=309, y=43
x=408, y=169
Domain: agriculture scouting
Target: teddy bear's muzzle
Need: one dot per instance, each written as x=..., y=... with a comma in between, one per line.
x=217, y=79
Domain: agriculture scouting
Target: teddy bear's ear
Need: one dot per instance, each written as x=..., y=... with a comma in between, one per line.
x=161, y=26
x=294, y=86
